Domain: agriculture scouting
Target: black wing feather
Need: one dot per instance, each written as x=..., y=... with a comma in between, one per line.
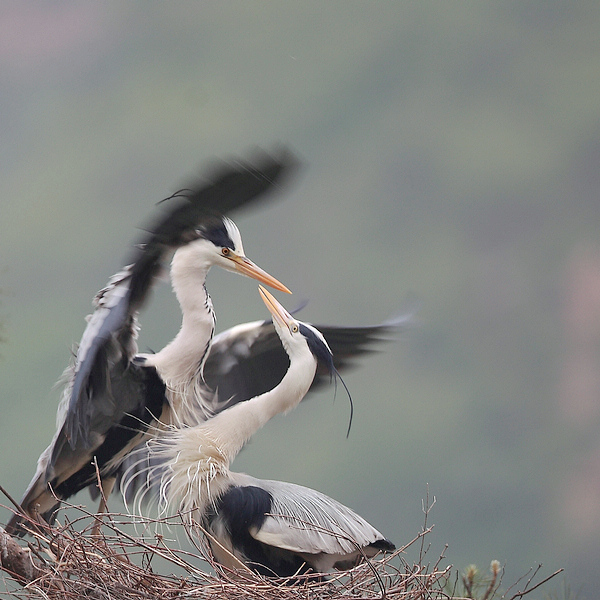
x=242, y=366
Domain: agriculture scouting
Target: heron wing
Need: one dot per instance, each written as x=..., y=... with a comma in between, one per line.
x=62, y=471
x=307, y=521
x=248, y=360
x=110, y=336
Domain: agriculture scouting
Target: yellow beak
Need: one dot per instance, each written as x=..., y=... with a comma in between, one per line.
x=246, y=267
x=279, y=313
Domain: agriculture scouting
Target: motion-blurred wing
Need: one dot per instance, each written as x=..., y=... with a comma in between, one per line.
x=248, y=360
x=110, y=337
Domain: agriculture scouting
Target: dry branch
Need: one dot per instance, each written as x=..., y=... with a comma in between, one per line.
x=67, y=563
x=17, y=561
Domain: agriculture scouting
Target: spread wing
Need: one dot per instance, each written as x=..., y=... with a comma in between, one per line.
x=248, y=360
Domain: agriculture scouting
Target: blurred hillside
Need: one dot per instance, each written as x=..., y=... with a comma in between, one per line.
x=452, y=152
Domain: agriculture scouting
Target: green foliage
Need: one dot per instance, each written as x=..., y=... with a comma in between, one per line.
x=479, y=586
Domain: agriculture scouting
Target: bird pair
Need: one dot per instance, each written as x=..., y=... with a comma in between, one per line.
x=177, y=418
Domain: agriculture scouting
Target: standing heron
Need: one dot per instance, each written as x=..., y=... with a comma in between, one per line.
x=113, y=395
x=275, y=528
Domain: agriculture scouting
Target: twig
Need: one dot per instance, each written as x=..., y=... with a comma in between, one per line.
x=17, y=561
x=426, y=507
x=537, y=585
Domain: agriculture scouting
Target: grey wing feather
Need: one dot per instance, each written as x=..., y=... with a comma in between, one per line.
x=307, y=521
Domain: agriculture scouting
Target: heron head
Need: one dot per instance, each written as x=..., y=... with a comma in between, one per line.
x=291, y=330
x=294, y=333
x=221, y=239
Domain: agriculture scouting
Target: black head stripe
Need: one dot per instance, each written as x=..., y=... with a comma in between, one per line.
x=216, y=232
x=318, y=348
x=324, y=357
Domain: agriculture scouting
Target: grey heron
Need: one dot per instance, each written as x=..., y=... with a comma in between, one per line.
x=113, y=395
x=275, y=528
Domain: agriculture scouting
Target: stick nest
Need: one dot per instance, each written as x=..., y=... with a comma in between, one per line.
x=70, y=561
x=67, y=562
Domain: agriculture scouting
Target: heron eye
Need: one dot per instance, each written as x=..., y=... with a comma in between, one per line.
x=294, y=328
x=225, y=251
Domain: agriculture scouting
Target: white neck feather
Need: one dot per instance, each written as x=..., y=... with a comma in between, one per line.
x=180, y=362
x=232, y=428
x=199, y=457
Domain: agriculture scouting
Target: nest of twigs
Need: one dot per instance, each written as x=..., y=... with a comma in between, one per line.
x=69, y=560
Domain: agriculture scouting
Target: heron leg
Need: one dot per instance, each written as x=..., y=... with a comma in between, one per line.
x=106, y=487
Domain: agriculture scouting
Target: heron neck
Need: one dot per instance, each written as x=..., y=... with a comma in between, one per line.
x=183, y=358
x=199, y=457
x=233, y=427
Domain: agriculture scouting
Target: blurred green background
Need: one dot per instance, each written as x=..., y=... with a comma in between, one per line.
x=452, y=153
